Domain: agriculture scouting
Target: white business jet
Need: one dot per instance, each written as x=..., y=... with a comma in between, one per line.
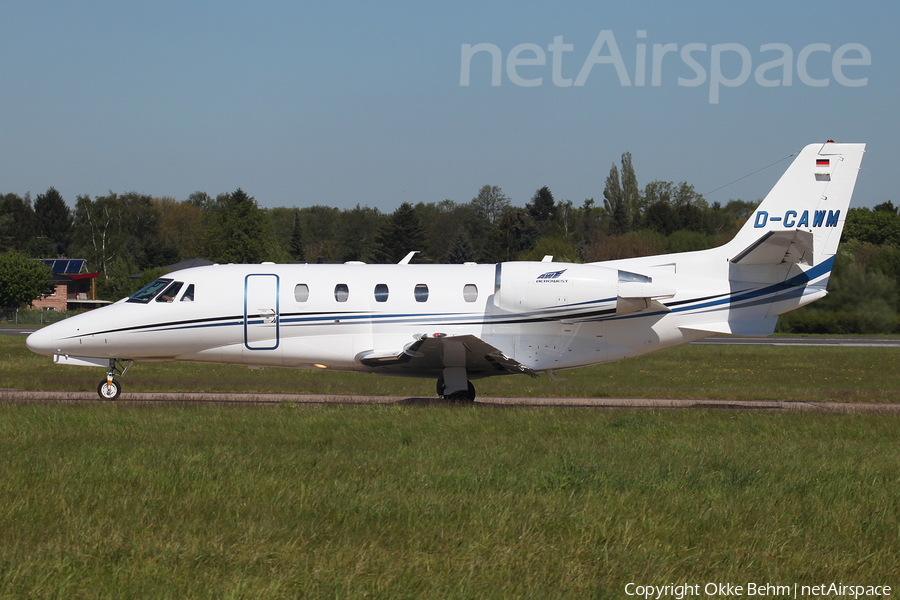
x=457, y=323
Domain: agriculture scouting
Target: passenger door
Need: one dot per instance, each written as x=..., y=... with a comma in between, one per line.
x=261, y=312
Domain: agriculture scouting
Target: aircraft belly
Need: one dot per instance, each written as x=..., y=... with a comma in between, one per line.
x=330, y=351
x=634, y=337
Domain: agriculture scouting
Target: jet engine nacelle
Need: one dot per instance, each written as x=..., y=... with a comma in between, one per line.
x=538, y=286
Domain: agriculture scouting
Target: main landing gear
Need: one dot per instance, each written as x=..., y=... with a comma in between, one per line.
x=467, y=395
x=109, y=389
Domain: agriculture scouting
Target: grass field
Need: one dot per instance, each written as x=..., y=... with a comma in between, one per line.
x=113, y=501
x=719, y=372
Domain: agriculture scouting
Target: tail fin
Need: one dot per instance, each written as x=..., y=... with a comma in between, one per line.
x=802, y=218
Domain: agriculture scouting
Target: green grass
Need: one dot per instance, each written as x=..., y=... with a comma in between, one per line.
x=719, y=372
x=119, y=501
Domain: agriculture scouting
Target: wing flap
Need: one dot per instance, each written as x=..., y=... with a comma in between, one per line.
x=430, y=354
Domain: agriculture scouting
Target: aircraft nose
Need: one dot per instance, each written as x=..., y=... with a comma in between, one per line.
x=42, y=341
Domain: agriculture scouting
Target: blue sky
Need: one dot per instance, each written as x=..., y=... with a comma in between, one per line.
x=347, y=103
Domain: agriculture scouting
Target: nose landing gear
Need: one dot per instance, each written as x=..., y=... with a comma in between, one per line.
x=109, y=389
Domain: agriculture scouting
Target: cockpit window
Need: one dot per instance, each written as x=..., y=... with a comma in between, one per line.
x=170, y=292
x=149, y=291
x=188, y=294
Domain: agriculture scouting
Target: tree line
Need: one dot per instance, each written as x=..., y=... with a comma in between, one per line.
x=124, y=234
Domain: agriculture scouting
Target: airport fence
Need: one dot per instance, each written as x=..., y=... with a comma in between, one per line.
x=34, y=317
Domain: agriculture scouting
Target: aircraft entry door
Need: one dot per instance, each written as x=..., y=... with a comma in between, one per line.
x=261, y=312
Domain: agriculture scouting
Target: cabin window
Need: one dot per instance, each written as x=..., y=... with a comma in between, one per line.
x=168, y=295
x=301, y=292
x=149, y=291
x=470, y=292
x=341, y=292
x=421, y=292
x=381, y=292
x=188, y=294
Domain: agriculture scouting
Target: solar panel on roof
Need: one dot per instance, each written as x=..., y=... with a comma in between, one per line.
x=65, y=266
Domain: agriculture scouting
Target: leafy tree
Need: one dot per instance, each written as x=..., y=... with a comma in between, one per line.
x=688, y=241
x=461, y=250
x=296, y=248
x=443, y=223
x=399, y=235
x=118, y=281
x=22, y=279
x=489, y=204
x=517, y=233
x=590, y=219
x=201, y=200
x=180, y=226
x=358, y=228
x=859, y=300
x=54, y=219
x=615, y=204
x=887, y=207
x=282, y=220
x=560, y=249
x=876, y=227
x=117, y=225
x=237, y=230
x=631, y=193
x=17, y=222
x=884, y=259
x=612, y=247
x=542, y=208
x=7, y=229
x=486, y=210
x=741, y=210
x=321, y=225
x=97, y=232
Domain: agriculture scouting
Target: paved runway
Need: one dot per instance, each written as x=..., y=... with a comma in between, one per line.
x=132, y=398
x=775, y=340
x=18, y=331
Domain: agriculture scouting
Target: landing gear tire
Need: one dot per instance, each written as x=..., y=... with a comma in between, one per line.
x=109, y=390
x=460, y=396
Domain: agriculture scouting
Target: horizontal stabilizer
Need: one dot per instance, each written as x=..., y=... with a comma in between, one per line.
x=776, y=247
x=746, y=327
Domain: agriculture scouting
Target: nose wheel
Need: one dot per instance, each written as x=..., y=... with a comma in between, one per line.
x=109, y=389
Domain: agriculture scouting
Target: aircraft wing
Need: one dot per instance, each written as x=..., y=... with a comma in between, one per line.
x=429, y=355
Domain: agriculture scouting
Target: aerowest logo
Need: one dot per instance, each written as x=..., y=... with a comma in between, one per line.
x=551, y=277
x=818, y=218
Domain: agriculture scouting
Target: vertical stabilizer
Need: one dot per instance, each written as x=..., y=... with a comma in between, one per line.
x=808, y=205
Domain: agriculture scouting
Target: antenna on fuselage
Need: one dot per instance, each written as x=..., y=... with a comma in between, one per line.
x=408, y=257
